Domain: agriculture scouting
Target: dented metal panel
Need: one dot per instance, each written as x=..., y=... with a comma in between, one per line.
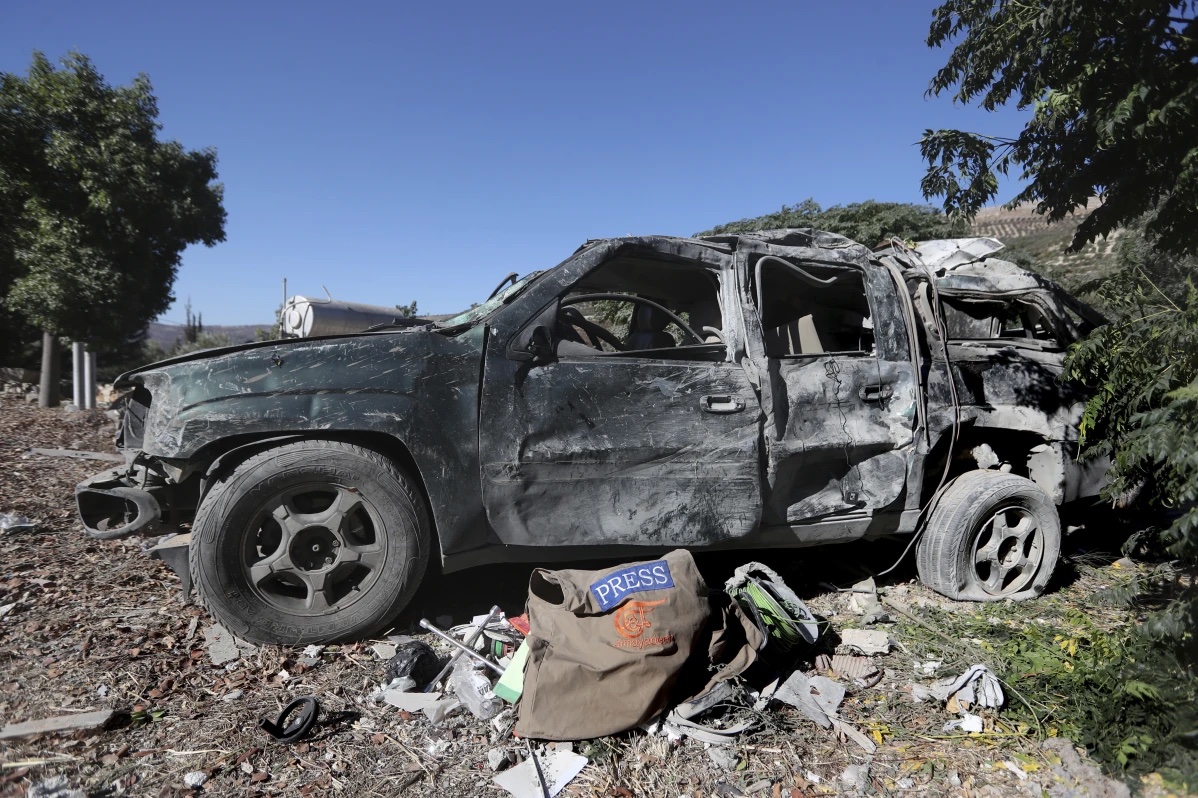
x=417, y=388
x=620, y=449
x=717, y=447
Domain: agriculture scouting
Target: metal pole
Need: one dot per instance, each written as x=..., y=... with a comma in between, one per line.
x=454, y=657
x=89, y=380
x=467, y=651
x=47, y=395
x=77, y=378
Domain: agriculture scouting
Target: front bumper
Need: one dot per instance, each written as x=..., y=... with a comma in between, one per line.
x=118, y=503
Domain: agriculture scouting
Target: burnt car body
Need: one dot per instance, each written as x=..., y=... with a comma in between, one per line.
x=777, y=389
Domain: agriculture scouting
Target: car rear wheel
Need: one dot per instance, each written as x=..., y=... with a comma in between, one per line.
x=309, y=542
x=991, y=536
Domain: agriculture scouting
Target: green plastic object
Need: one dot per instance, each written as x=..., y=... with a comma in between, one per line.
x=511, y=685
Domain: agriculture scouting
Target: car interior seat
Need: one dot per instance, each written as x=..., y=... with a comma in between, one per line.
x=797, y=337
x=706, y=313
x=647, y=329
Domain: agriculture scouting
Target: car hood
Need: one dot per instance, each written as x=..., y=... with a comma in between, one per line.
x=127, y=380
x=298, y=385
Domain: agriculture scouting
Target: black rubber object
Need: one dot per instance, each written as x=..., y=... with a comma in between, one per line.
x=222, y=539
x=950, y=551
x=286, y=732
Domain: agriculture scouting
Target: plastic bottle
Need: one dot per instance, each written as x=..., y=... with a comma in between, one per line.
x=473, y=689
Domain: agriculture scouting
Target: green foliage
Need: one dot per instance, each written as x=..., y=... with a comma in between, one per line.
x=202, y=341
x=1113, y=89
x=1143, y=369
x=869, y=222
x=95, y=210
x=407, y=311
x=1118, y=693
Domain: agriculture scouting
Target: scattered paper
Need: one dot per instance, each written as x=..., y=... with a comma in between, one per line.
x=966, y=723
x=412, y=702
x=558, y=767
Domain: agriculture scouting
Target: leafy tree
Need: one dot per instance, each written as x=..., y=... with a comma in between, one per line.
x=95, y=210
x=870, y=222
x=204, y=340
x=193, y=326
x=1113, y=89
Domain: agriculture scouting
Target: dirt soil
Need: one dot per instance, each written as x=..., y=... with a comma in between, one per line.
x=97, y=625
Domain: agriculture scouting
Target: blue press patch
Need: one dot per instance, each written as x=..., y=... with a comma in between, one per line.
x=611, y=589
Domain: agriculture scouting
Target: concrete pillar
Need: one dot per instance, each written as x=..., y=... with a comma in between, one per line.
x=47, y=395
x=89, y=380
x=77, y=379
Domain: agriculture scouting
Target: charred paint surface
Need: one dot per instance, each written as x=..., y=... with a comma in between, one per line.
x=620, y=451
x=715, y=448
x=418, y=388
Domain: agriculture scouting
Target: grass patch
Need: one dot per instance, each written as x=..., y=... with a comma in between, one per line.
x=1074, y=665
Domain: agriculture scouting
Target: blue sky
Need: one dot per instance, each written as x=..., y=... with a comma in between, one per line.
x=422, y=151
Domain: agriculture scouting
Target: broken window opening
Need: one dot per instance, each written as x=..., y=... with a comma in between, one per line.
x=640, y=306
x=1007, y=320
x=813, y=309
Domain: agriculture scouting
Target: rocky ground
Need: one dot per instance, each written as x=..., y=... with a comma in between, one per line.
x=88, y=625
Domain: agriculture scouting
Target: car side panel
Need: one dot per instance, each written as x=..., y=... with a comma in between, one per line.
x=420, y=388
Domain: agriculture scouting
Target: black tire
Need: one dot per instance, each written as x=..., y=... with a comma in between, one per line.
x=991, y=536
x=310, y=542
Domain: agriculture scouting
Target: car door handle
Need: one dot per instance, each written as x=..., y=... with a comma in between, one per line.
x=875, y=393
x=717, y=403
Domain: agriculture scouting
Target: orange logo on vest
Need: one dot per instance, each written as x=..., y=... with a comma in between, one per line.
x=632, y=619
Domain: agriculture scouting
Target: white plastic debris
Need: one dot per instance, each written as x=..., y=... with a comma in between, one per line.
x=1018, y=771
x=55, y=787
x=411, y=702
x=928, y=667
x=11, y=522
x=313, y=651
x=383, y=651
x=558, y=768
x=966, y=723
x=977, y=686
x=195, y=779
x=865, y=641
x=440, y=710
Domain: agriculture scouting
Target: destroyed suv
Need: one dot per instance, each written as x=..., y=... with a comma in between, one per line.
x=777, y=389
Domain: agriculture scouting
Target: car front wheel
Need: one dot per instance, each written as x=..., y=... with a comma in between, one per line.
x=991, y=536
x=310, y=542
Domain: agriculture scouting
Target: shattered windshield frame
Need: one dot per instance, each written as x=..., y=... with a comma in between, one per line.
x=480, y=312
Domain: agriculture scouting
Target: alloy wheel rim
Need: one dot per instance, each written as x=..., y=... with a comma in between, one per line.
x=313, y=549
x=1008, y=551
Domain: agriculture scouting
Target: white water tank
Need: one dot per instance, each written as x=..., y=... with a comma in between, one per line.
x=305, y=318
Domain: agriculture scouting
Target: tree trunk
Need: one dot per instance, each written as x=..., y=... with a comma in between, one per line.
x=48, y=390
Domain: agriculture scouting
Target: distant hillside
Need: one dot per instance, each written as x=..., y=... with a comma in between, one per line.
x=165, y=335
x=1034, y=243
